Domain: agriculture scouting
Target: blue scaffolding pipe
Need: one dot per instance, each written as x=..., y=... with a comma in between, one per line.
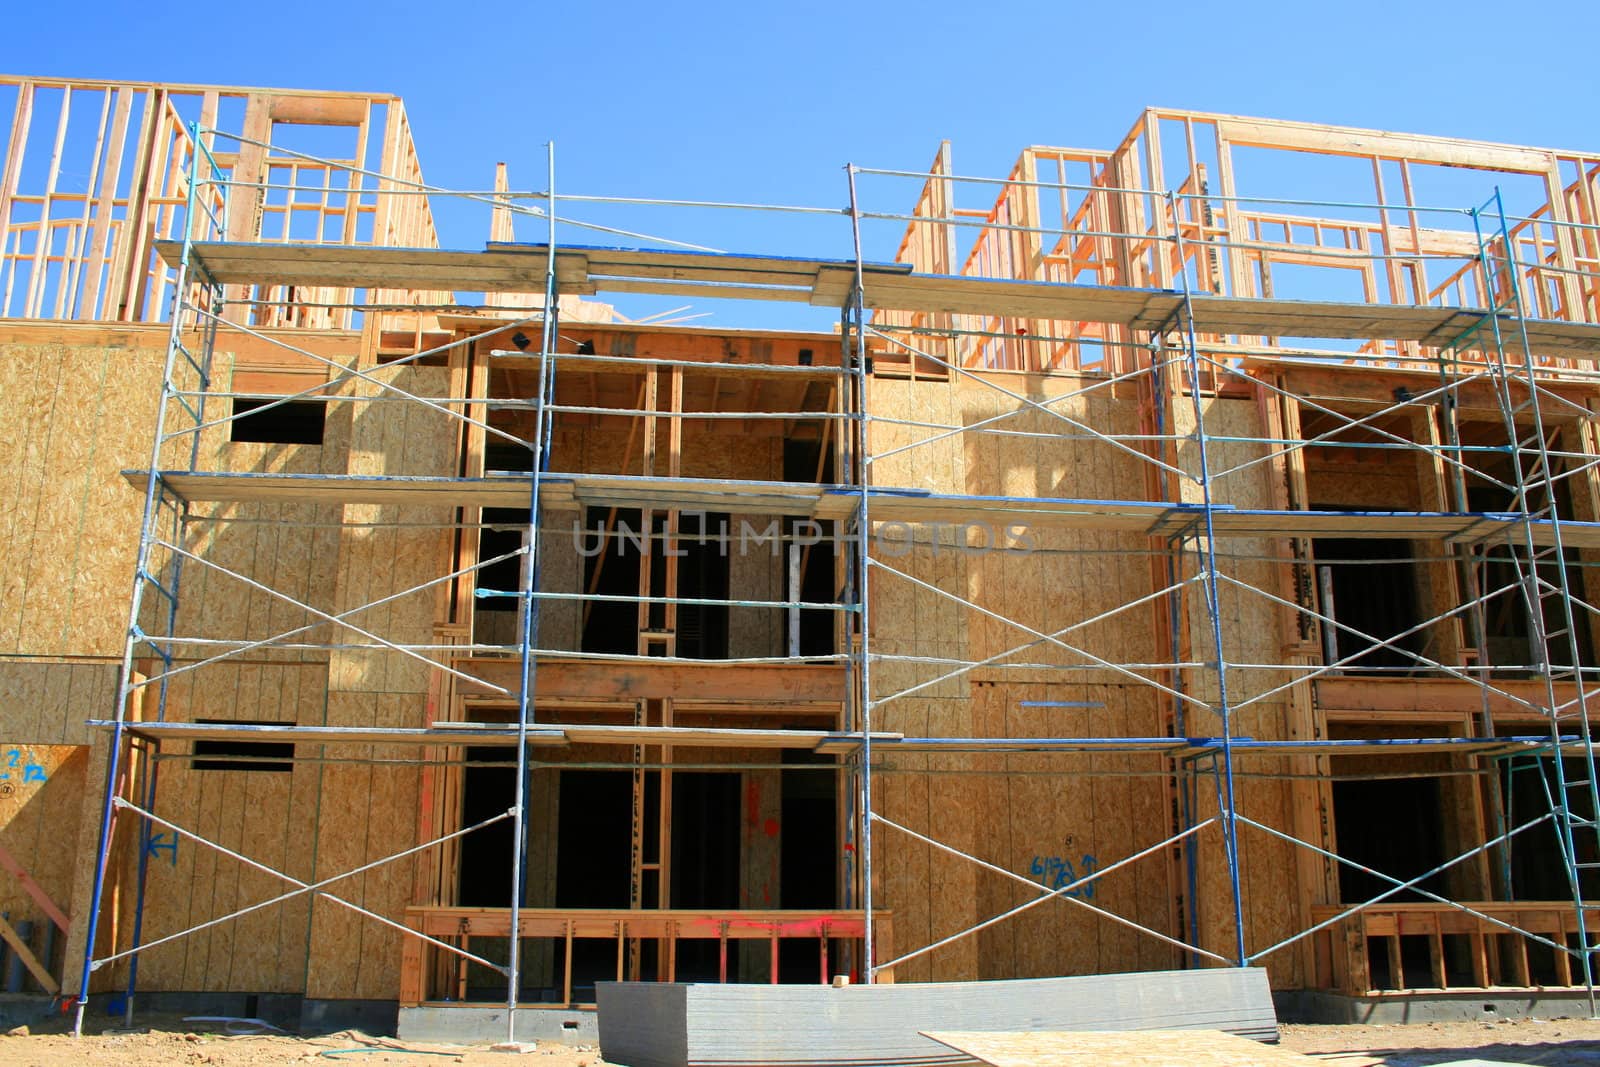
x=1532, y=554
x=1396, y=885
x=858, y=335
x=1216, y=754
x=530, y=614
x=180, y=513
x=1226, y=798
x=146, y=539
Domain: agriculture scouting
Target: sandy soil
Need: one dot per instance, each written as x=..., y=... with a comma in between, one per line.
x=1561, y=1043
x=169, y=1040
x=1567, y=1043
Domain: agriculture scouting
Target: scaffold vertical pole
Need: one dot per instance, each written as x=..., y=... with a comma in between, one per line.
x=1535, y=590
x=529, y=585
x=858, y=342
x=1230, y=825
x=153, y=493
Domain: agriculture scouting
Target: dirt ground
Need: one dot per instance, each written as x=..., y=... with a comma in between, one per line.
x=169, y=1040
x=1560, y=1043
x=163, y=1040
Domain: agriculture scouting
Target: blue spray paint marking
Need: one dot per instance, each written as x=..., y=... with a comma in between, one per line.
x=31, y=772
x=164, y=842
x=1057, y=873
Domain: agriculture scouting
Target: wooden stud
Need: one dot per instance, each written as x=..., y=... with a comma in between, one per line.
x=566, y=979
x=34, y=890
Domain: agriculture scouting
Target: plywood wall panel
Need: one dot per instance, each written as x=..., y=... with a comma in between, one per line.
x=268, y=816
x=75, y=414
x=41, y=791
x=47, y=701
x=561, y=570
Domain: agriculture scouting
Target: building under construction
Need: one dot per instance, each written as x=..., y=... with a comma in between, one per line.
x=1169, y=554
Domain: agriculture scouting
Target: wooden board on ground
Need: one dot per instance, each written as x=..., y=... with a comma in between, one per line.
x=1136, y=1048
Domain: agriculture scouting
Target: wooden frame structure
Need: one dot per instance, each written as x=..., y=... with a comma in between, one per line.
x=89, y=254
x=1085, y=454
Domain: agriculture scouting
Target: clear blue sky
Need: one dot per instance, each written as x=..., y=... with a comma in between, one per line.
x=767, y=101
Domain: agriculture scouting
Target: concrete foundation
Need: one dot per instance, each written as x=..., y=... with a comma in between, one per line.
x=481, y=1024
x=1386, y=1009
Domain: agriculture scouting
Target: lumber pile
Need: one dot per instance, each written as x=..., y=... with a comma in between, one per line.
x=647, y=1024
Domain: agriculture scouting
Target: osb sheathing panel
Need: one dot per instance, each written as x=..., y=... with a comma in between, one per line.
x=72, y=417
x=47, y=702
x=1031, y=815
x=757, y=572
x=86, y=817
x=935, y=459
x=1379, y=486
x=705, y=454
x=560, y=571
x=289, y=548
x=338, y=816
x=908, y=618
x=1251, y=631
x=1049, y=579
x=369, y=812
x=267, y=816
x=41, y=793
x=1056, y=818
x=377, y=562
x=756, y=453
x=1056, y=812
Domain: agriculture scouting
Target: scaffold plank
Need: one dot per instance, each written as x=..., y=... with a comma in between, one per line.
x=585, y=270
x=889, y=505
x=501, y=735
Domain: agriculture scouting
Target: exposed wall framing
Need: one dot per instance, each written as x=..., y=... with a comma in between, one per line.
x=1099, y=456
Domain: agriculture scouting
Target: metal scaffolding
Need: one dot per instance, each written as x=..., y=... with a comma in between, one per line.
x=1203, y=676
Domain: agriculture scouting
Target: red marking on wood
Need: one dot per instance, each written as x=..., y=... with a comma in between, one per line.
x=770, y=827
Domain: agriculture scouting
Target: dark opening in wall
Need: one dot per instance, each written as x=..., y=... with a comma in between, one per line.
x=1395, y=826
x=808, y=832
x=501, y=455
x=1535, y=858
x=232, y=754
x=495, y=618
x=806, y=461
x=295, y=422
x=485, y=868
x=706, y=855
x=1507, y=626
x=1370, y=586
x=612, y=551
x=703, y=574
x=594, y=819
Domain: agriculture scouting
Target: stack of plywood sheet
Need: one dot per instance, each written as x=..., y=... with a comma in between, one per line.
x=647, y=1024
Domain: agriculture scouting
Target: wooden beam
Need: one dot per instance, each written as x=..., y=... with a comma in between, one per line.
x=1446, y=697
x=1419, y=148
x=625, y=682
x=1374, y=385
x=34, y=890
